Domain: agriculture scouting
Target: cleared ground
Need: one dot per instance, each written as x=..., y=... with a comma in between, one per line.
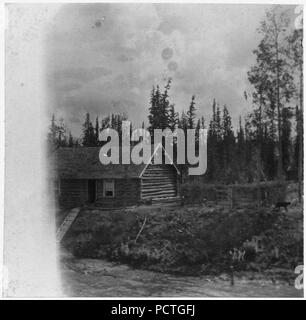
x=98, y=278
x=181, y=252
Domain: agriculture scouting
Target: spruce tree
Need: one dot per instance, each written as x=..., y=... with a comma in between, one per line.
x=191, y=113
x=154, y=109
x=173, y=118
x=97, y=131
x=70, y=140
x=159, y=108
x=88, y=139
x=212, y=166
x=164, y=107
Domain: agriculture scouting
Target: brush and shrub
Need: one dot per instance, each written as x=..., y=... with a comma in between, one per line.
x=189, y=240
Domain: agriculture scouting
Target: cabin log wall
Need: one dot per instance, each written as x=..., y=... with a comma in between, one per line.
x=159, y=181
x=72, y=193
x=127, y=193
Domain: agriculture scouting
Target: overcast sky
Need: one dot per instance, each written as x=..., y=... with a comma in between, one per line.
x=105, y=58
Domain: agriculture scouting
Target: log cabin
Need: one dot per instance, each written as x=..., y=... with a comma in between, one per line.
x=81, y=179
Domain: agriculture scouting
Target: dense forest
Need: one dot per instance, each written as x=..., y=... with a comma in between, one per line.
x=268, y=142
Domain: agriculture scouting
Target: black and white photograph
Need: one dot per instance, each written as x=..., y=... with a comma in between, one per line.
x=153, y=150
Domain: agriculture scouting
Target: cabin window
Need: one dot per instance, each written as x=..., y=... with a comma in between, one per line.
x=108, y=188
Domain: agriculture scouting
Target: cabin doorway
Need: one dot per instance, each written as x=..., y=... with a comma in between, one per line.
x=92, y=190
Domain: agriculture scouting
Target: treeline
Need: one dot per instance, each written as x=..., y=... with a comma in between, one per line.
x=60, y=136
x=277, y=97
x=162, y=112
x=162, y=115
x=268, y=142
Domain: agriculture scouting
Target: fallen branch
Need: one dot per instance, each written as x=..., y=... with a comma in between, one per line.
x=144, y=222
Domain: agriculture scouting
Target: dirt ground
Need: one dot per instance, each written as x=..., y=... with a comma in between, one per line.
x=99, y=278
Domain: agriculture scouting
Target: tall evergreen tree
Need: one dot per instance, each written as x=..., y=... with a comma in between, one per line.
x=70, y=140
x=159, y=108
x=183, y=122
x=97, y=131
x=173, y=118
x=52, y=134
x=202, y=122
x=228, y=139
x=191, y=113
x=164, y=107
x=270, y=76
x=62, y=131
x=88, y=139
x=154, y=109
x=212, y=140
